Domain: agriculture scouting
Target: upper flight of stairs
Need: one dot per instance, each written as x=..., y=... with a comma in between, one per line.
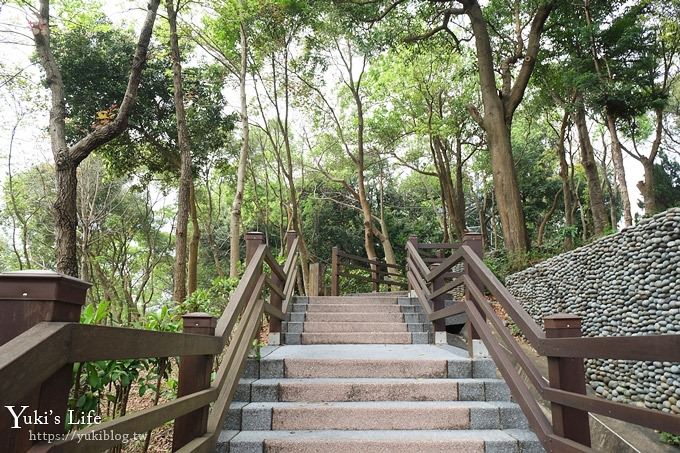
x=370, y=398
x=362, y=319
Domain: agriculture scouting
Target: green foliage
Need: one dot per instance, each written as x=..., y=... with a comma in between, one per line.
x=212, y=300
x=669, y=438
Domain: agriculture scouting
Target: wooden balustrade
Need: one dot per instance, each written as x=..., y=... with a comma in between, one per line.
x=40, y=339
x=382, y=275
x=561, y=343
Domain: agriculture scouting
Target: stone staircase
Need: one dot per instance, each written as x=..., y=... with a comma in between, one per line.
x=379, y=392
x=361, y=319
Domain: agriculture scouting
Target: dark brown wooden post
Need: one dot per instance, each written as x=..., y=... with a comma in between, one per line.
x=291, y=235
x=375, y=277
x=315, y=279
x=253, y=240
x=568, y=374
x=413, y=240
x=335, y=271
x=26, y=299
x=194, y=376
x=437, y=304
x=474, y=241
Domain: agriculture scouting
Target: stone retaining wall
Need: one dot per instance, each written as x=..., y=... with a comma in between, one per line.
x=624, y=284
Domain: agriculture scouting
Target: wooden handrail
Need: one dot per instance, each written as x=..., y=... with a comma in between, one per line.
x=381, y=273
x=477, y=279
x=32, y=357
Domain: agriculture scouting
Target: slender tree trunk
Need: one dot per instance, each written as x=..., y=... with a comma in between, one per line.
x=67, y=158
x=619, y=170
x=179, y=292
x=566, y=186
x=647, y=187
x=597, y=208
x=499, y=109
x=235, y=222
x=546, y=218
x=195, y=242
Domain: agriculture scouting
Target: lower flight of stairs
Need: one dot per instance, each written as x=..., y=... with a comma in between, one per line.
x=373, y=398
x=358, y=374
x=361, y=319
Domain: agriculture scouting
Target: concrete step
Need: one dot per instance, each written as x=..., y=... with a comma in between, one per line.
x=348, y=308
x=354, y=317
x=356, y=338
x=317, y=327
x=380, y=389
x=361, y=300
x=382, y=415
x=467, y=441
x=373, y=361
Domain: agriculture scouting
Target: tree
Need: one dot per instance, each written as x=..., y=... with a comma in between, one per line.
x=179, y=292
x=67, y=157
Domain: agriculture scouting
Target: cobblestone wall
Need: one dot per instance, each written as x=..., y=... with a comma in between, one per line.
x=624, y=284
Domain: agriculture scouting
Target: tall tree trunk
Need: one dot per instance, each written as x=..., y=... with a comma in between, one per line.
x=619, y=170
x=647, y=187
x=179, y=292
x=499, y=109
x=195, y=242
x=67, y=159
x=566, y=185
x=546, y=218
x=597, y=208
x=235, y=222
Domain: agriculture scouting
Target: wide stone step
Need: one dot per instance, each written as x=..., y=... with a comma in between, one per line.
x=361, y=300
x=348, y=308
x=354, y=317
x=402, y=441
x=372, y=389
x=381, y=415
x=373, y=361
x=357, y=338
x=315, y=327
x=425, y=368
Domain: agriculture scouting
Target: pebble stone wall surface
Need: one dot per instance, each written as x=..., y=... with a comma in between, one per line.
x=624, y=284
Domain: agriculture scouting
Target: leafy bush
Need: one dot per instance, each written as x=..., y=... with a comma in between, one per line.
x=212, y=300
x=671, y=439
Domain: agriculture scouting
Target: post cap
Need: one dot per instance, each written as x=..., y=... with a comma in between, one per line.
x=199, y=319
x=562, y=321
x=42, y=285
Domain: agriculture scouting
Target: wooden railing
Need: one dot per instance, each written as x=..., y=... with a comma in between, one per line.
x=382, y=275
x=561, y=343
x=40, y=339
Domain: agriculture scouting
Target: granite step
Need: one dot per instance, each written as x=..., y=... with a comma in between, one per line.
x=383, y=441
x=348, y=308
x=356, y=338
x=348, y=300
x=352, y=316
x=330, y=326
x=382, y=415
x=378, y=389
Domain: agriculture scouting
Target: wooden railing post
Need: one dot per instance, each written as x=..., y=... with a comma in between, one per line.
x=437, y=304
x=26, y=299
x=375, y=277
x=315, y=279
x=253, y=240
x=194, y=375
x=291, y=235
x=335, y=271
x=474, y=241
x=567, y=374
x=413, y=240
